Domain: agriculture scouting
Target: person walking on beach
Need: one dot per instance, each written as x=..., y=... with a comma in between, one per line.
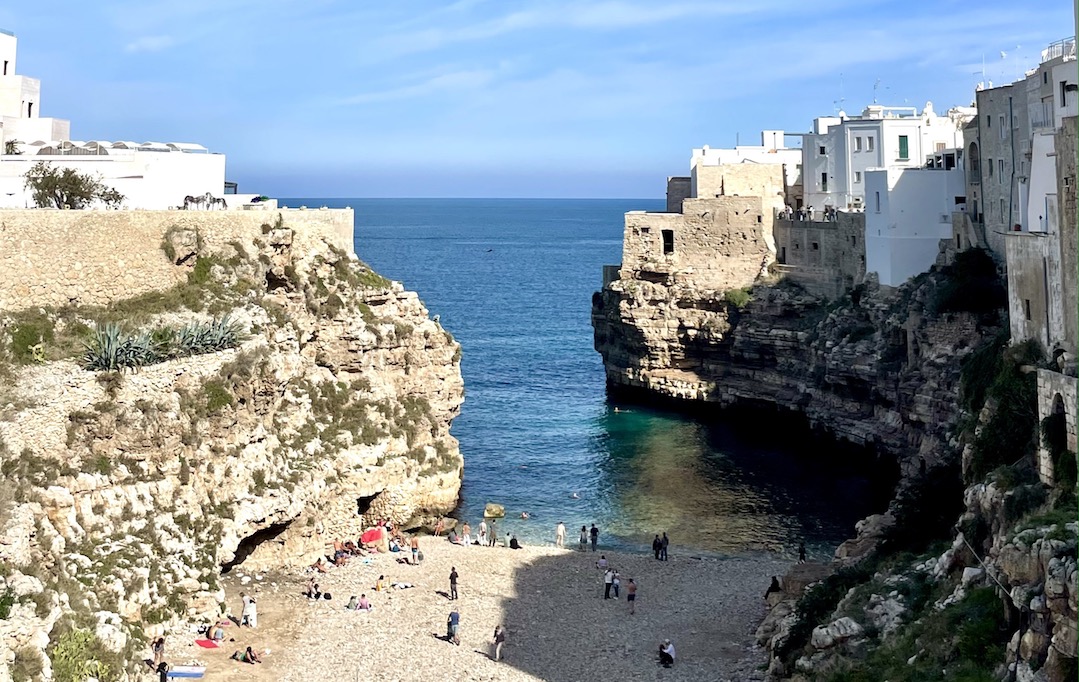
x=560, y=535
x=656, y=545
x=663, y=547
x=492, y=536
x=415, y=544
x=482, y=537
x=584, y=537
x=466, y=534
x=608, y=580
x=615, y=584
x=453, y=582
x=453, y=627
x=631, y=596
x=595, y=536
x=499, y=640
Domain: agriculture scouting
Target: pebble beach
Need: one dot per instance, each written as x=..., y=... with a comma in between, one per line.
x=549, y=600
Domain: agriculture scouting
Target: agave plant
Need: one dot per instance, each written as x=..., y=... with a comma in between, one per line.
x=139, y=350
x=223, y=333
x=103, y=350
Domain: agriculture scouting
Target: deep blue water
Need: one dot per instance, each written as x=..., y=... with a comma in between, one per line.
x=513, y=280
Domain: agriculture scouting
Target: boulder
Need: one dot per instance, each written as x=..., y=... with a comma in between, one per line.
x=494, y=511
x=827, y=636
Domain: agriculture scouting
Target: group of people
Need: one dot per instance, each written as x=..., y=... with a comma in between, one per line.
x=485, y=536
x=659, y=547
x=612, y=582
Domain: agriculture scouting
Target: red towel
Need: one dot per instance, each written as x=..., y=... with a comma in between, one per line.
x=207, y=643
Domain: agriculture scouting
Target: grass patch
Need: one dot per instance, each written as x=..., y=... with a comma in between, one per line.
x=739, y=298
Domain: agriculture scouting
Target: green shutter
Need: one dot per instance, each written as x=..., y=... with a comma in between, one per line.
x=904, y=150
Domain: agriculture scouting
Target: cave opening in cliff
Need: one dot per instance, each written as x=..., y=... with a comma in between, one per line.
x=364, y=502
x=252, y=542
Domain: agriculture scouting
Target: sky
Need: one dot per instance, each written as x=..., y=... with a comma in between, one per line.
x=501, y=98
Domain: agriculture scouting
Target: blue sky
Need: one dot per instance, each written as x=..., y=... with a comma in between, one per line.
x=499, y=98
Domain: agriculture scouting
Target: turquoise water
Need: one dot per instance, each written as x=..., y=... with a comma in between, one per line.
x=513, y=281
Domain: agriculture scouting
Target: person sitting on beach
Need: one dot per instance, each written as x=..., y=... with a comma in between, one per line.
x=440, y=526
x=215, y=633
x=313, y=591
x=774, y=587
x=602, y=563
x=394, y=547
x=513, y=542
x=352, y=603
x=666, y=653
x=319, y=566
x=364, y=605
x=246, y=656
x=380, y=584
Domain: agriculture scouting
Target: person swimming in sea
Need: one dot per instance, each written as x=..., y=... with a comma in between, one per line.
x=525, y=515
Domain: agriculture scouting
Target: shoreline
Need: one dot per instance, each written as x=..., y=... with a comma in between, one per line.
x=549, y=600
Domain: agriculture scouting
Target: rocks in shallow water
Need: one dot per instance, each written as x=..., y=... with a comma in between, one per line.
x=494, y=511
x=827, y=636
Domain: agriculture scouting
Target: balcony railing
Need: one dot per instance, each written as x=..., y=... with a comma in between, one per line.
x=1061, y=48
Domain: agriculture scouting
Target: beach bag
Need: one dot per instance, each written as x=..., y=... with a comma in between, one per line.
x=419, y=555
x=327, y=596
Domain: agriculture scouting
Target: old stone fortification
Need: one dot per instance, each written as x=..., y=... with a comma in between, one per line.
x=826, y=257
x=126, y=494
x=53, y=258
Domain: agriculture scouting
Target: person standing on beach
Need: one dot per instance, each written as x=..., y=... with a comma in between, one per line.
x=492, y=536
x=608, y=580
x=440, y=526
x=615, y=584
x=595, y=536
x=663, y=547
x=560, y=535
x=466, y=534
x=415, y=544
x=453, y=582
x=631, y=596
x=158, y=650
x=584, y=537
x=482, y=537
x=656, y=545
x=499, y=640
x=453, y=627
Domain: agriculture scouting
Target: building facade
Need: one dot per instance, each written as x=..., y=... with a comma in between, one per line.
x=151, y=175
x=840, y=150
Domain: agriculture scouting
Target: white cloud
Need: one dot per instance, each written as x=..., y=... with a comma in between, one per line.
x=456, y=81
x=150, y=44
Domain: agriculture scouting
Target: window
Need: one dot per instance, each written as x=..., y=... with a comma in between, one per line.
x=1063, y=93
x=939, y=146
x=988, y=121
x=904, y=148
x=1003, y=128
x=782, y=255
x=668, y=242
x=816, y=246
x=858, y=144
x=823, y=151
x=29, y=110
x=857, y=176
x=877, y=201
x=824, y=182
x=989, y=164
x=1026, y=307
x=853, y=241
x=869, y=143
x=1000, y=170
x=1045, y=76
x=1003, y=218
x=5, y=67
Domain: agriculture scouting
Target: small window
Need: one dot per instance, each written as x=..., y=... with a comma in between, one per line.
x=857, y=176
x=990, y=165
x=1000, y=169
x=853, y=241
x=940, y=146
x=958, y=242
x=858, y=144
x=904, y=148
x=823, y=151
x=668, y=242
x=5, y=67
x=1003, y=127
x=29, y=110
x=824, y=182
x=869, y=143
x=1063, y=93
x=816, y=246
x=876, y=200
x=1003, y=210
x=988, y=121
x=1045, y=75
x=1026, y=307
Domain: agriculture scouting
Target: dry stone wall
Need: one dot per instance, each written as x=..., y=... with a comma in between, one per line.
x=57, y=258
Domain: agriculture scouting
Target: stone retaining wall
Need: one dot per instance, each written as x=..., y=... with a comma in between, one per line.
x=56, y=258
x=1050, y=385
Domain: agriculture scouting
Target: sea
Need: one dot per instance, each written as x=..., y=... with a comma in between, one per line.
x=512, y=280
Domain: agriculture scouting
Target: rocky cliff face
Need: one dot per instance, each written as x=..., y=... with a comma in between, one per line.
x=873, y=368
x=125, y=494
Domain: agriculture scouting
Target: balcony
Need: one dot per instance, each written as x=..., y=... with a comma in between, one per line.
x=1061, y=48
x=1042, y=123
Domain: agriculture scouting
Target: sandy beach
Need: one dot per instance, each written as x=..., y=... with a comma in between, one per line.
x=549, y=600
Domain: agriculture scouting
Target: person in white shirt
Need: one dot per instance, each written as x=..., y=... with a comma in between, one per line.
x=560, y=535
x=666, y=653
x=608, y=580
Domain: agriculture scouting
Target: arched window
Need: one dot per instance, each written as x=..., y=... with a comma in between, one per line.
x=972, y=154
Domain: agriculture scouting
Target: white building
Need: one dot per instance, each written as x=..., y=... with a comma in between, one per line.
x=840, y=150
x=908, y=211
x=772, y=149
x=151, y=175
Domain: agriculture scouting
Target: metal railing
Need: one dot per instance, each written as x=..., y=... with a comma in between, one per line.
x=1061, y=48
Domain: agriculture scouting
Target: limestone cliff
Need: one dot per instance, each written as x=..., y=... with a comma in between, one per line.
x=126, y=494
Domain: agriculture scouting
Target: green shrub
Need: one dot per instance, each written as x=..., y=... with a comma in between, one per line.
x=29, y=337
x=77, y=655
x=215, y=397
x=739, y=298
x=7, y=600
x=1010, y=433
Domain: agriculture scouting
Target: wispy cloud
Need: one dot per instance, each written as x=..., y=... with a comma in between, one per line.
x=457, y=81
x=150, y=44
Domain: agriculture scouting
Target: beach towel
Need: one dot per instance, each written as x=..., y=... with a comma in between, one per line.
x=187, y=671
x=206, y=643
x=371, y=536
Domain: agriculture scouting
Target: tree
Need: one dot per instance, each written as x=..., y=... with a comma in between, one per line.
x=67, y=188
x=11, y=147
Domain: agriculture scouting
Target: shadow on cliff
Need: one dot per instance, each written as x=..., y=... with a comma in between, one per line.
x=559, y=626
